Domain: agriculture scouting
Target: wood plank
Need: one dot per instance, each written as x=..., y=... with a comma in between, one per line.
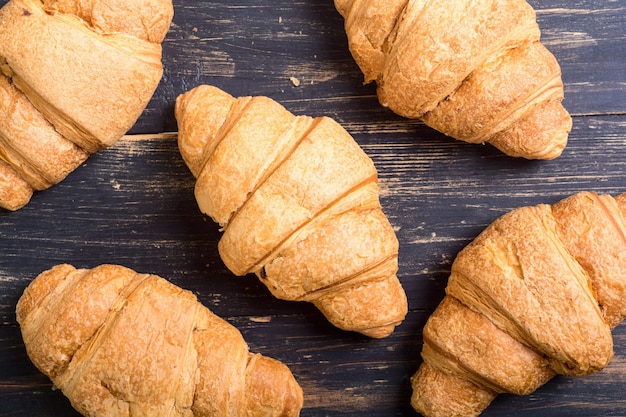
x=581, y=34
x=251, y=49
x=133, y=203
x=437, y=204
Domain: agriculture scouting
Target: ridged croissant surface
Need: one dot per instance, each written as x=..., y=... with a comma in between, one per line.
x=75, y=76
x=474, y=70
x=535, y=295
x=119, y=343
x=298, y=202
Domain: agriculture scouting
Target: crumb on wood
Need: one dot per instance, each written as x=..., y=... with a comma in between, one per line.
x=295, y=81
x=194, y=30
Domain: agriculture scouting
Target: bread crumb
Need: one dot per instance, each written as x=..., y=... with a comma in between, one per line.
x=193, y=36
x=295, y=81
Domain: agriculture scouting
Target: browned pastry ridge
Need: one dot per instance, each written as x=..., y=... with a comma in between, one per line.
x=298, y=202
x=118, y=343
x=534, y=295
x=74, y=78
x=474, y=70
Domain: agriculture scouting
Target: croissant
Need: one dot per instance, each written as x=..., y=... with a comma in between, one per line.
x=74, y=78
x=534, y=295
x=474, y=70
x=119, y=343
x=297, y=199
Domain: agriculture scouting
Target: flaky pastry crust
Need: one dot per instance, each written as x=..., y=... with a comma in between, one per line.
x=473, y=70
x=536, y=294
x=298, y=202
x=119, y=343
x=74, y=78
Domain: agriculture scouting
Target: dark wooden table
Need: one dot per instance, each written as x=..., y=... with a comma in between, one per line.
x=133, y=204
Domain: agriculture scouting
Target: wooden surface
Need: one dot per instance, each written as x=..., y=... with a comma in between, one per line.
x=133, y=204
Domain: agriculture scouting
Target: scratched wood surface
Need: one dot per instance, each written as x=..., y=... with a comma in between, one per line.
x=133, y=203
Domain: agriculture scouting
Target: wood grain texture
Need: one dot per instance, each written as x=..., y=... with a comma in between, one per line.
x=133, y=203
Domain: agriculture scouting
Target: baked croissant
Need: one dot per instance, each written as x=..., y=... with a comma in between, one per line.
x=474, y=70
x=534, y=295
x=119, y=343
x=298, y=202
x=74, y=78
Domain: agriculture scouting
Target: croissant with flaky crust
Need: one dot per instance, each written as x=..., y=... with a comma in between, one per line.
x=119, y=343
x=298, y=201
x=74, y=78
x=535, y=295
x=472, y=69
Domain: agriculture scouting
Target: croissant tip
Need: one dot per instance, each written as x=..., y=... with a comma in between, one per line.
x=380, y=332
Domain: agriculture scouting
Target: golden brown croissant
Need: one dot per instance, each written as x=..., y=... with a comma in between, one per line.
x=534, y=295
x=119, y=343
x=75, y=76
x=472, y=69
x=298, y=201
